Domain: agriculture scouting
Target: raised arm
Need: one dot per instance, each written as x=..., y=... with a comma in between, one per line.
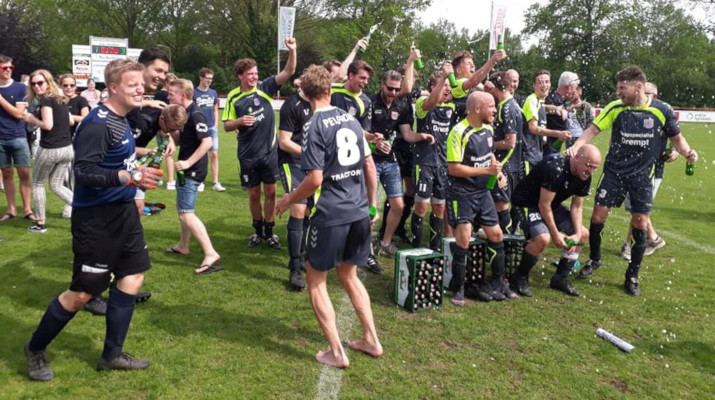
x=289, y=69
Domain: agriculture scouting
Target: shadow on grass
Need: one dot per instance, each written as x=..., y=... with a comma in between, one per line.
x=700, y=355
x=15, y=333
x=240, y=328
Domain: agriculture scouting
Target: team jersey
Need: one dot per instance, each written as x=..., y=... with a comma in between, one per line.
x=385, y=120
x=295, y=112
x=553, y=175
x=459, y=98
x=195, y=130
x=207, y=101
x=510, y=119
x=335, y=144
x=533, y=144
x=103, y=145
x=635, y=135
x=554, y=121
x=11, y=127
x=356, y=104
x=472, y=147
x=255, y=141
x=438, y=122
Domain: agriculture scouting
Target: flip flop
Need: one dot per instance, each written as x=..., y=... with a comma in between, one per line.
x=209, y=270
x=6, y=217
x=172, y=250
x=30, y=216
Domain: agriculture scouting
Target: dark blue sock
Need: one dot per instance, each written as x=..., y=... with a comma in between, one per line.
x=637, y=251
x=51, y=324
x=295, y=233
x=594, y=241
x=119, y=314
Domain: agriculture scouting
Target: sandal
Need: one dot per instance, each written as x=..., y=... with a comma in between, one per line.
x=6, y=217
x=31, y=216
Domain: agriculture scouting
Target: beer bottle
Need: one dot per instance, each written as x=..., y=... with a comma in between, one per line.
x=689, y=169
x=181, y=178
x=156, y=161
x=418, y=62
x=500, y=42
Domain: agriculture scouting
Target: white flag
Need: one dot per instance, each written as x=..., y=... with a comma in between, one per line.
x=497, y=26
x=286, y=23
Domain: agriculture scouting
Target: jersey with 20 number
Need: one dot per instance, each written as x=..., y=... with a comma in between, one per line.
x=334, y=143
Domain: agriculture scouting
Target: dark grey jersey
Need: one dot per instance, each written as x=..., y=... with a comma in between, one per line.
x=335, y=144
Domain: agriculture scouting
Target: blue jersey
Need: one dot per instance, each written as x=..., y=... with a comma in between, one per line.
x=103, y=145
x=10, y=127
x=207, y=102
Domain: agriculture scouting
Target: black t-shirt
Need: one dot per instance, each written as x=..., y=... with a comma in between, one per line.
x=509, y=119
x=144, y=123
x=553, y=175
x=385, y=120
x=554, y=121
x=162, y=95
x=295, y=112
x=59, y=135
x=194, y=131
x=75, y=105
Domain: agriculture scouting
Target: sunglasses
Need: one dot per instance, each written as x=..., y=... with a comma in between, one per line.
x=392, y=89
x=8, y=68
x=38, y=83
x=69, y=85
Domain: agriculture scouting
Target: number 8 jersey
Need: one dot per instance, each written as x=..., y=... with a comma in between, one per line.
x=334, y=143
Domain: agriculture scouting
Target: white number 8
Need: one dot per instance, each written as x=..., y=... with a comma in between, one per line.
x=348, y=150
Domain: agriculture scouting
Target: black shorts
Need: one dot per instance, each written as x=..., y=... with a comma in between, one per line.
x=106, y=239
x=253, y=172
x=404, y=154
x=478, y=210
x=430, y=182
x=330, y=246
x=504, y=195
x=612, y=191
x=291, y=176
x=534, y=224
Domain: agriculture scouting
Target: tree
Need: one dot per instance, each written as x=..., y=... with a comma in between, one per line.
x=22, y=38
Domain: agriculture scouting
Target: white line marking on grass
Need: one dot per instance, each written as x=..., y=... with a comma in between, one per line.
x=670, y=235
x=330, y=379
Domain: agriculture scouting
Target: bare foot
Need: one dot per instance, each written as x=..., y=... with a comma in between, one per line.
x=327, y=358
x=374, y=350
x=208, y=261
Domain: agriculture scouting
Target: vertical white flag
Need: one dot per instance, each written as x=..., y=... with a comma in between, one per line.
x=286, y=23
x=497, y=26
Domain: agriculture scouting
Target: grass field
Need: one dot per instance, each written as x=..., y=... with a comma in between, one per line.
x=243, y=334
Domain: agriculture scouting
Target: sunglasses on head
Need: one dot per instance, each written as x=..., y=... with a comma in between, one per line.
x=8, y=68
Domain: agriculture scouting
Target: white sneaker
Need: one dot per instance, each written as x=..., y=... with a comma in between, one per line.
x=217, y=187
x=67, y=211
x=171, y=185
x=201, y=187
x=626, y=252
x=160, y=183
x=652, y=245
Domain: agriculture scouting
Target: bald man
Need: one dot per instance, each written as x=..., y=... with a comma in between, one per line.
x=470, y=163
x=542, y=193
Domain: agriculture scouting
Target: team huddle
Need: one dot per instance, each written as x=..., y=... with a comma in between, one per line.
x=481, y=158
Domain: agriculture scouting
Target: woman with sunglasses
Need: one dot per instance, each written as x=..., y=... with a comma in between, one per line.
x=55, y=153
x=78, y=105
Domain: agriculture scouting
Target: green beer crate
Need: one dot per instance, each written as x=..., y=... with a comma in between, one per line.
x=476, y=259
x=418, y=279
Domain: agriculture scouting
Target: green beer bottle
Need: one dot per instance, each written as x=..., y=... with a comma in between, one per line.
x=156, y=161
x=500, y=42
x=418, y=62
x=557, y=144
x=689, y=169
x=571, y=243
x=250, y=111
x=181, y=178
